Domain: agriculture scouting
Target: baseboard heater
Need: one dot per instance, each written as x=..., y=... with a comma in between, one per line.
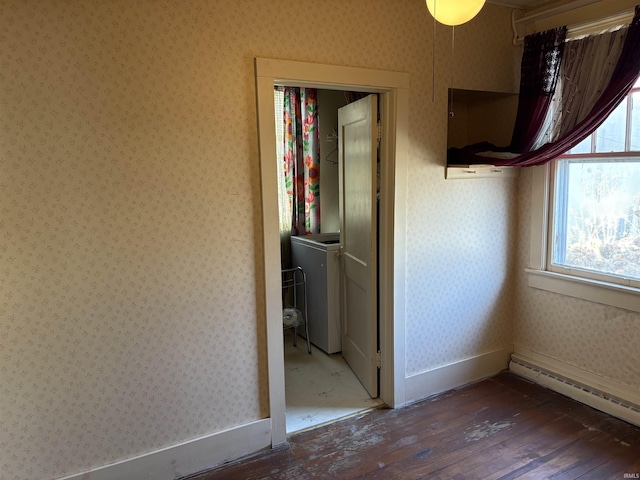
x=587, y=394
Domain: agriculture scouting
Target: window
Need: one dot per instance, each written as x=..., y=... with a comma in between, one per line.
x=593, y=227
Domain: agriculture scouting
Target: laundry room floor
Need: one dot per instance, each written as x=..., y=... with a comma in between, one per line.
x=319, y=388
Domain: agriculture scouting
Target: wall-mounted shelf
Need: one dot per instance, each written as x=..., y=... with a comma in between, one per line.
x=480, y=116
x=480, y=171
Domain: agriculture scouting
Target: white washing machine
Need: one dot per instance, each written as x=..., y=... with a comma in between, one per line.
x=318, y=255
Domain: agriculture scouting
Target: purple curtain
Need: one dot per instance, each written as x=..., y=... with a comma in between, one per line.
x=538, y=78
x=624, y=76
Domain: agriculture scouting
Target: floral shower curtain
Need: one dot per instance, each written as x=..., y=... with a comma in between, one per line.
x=302, y=159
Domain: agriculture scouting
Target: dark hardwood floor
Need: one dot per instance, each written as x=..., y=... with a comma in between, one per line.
x=500, y=428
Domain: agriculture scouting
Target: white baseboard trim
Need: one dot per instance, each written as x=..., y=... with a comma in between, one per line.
x=189, y=457
x=601, y=393
x=456, y=374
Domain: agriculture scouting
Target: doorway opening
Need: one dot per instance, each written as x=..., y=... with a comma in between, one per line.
x=393, y=88
x=323, y=386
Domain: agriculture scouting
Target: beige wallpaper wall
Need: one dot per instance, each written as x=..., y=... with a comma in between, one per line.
x=598, y=338
x=130, y=302
x=460, y=234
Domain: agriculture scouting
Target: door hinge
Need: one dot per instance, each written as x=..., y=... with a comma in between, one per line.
x=379, y=359
x=379, y=132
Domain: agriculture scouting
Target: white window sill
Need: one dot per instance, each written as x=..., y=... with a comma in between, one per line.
x=593, y=290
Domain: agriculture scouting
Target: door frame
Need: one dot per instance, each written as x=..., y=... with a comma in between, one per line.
x=393, y=88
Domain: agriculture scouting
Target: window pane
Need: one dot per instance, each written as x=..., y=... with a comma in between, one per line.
x=611, y=134
x=635, y=122
x=583, y=147
x=597, y=217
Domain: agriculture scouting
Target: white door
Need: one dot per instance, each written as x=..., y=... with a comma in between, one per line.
x=358, y=126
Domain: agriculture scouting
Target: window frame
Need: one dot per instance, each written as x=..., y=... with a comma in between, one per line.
x=554, y=194
x=567, y=284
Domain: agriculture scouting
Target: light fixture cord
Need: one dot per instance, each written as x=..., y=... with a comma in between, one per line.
x=433, y=56
x=453, y=42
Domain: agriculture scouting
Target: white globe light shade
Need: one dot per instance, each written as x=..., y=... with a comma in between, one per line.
x=454, y=12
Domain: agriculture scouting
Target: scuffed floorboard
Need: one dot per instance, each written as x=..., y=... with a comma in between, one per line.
x=499, y=428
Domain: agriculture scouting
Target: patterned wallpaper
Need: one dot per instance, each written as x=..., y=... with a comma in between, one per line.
x=131, y=316
x=460, y=234
x=459, y=280
x=597, y=338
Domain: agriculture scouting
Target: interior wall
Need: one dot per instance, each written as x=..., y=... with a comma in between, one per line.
x=131, y=311
x=597, y=338
x=329, y=101
x=469, y=113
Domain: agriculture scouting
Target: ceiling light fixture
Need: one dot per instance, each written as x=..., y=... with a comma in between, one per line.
x=454, y=12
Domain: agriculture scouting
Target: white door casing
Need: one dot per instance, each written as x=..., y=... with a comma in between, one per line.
x=393, y=88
